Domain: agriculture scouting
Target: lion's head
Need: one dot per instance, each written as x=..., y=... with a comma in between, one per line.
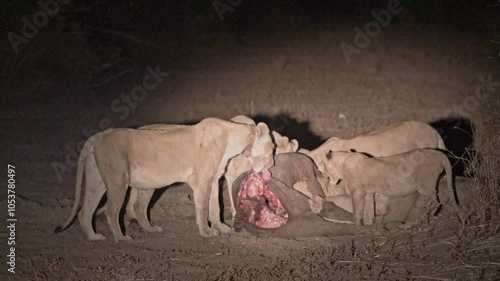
x=261, y=155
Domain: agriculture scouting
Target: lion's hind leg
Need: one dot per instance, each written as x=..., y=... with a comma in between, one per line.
x=116, y=191
x=132, y=199
x=431, y=202
x=94, y=190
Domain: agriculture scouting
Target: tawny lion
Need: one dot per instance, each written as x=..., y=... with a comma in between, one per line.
x=148, y=159
x=398, y=175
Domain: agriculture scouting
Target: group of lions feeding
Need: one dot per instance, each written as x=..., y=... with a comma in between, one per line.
x=373, y=172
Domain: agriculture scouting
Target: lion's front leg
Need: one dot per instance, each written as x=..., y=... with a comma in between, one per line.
x=315, y=201
x=369, y=209
x=230, y=180
x=201, y=196
x=141, y=209
x=358, y=204
x=302, y=187
x=214, y=208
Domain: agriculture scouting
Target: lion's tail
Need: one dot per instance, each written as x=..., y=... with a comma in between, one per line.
x=82, y=159
x=449, y=178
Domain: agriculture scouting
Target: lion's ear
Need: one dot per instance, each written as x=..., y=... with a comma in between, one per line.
x=282, y=143
x=243, y=120
x=285, y=140
x=329, y=155
x=295, y=145
x=247, y=152
x=276, y=136
x=262, y=129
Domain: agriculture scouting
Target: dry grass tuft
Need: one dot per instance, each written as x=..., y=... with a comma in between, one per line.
x=480, y=218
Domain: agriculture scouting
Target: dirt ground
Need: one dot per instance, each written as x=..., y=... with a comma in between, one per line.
x=405, y=73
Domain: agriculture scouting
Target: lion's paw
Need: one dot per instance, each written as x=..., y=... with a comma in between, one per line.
x=223, y=228
x=206, y=232
x=124, y=238
x=316, y=204
x=157, y=228
x=96, y=237
x=153, y=228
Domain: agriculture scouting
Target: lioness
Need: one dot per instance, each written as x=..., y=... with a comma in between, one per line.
x=238, y=165
x=391, y=140
x=146, y=196
x=149, y=159
x=394, y=139
x=398, y=175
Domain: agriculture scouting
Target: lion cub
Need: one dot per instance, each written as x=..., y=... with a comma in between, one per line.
x=398, y=175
